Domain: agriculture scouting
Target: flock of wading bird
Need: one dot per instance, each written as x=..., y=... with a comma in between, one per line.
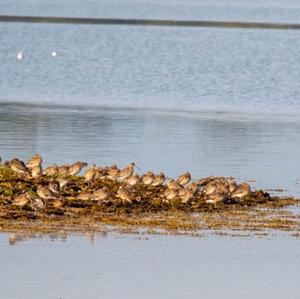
x=113, y=185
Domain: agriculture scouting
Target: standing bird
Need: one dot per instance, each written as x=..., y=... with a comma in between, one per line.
x=124, y=194
x=215, y=198
x=232, y=185
x=126, y=172
x=37, y=204
x=75, y=168
x=90, y=174
x=36, y=171
x=184, y=178
x=35, y=161
x=54, y=186
x=63, y=181
x=44, y=192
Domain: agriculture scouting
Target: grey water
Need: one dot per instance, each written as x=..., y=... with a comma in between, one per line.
x=255, y=10
x=211, y=101
x=121, y=266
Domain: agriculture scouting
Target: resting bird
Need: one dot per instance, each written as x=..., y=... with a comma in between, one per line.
x=184, y=178
x=241, y=191
x=159, y=179
x=126, y=172
x=18, y=166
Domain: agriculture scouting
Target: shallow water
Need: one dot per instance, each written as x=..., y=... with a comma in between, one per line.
x=200, y=69
x=120, y=266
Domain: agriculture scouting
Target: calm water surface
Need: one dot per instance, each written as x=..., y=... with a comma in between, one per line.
x=265, y=150
x=157, y=267
x=255, y=10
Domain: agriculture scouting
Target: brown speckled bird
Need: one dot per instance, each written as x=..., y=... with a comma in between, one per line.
x=90, y=174
x=185, y=195
x=76, y=167
x=133, y=180
x=57, y=203
x=21, y=200
x=36, y=171
x=35, y=161
x=18, y=166
x=44, y=192
x=112, y=171
x=215, y=198
x=232, y=185
x=99, y=173
x=210, y=188
x=37, y=203
x=172, y=184
x=101, y=194
x=54, y=186
x=241, y=191
x=126, y=172
x=148, y=178
x=159, y=179
x=204, y=181
x=170, y=194
x=184, y=178
x=85, y=195
x=192, y=187
x=63, y=169
x=124, y=194
x=63, y=182
x=51, y=170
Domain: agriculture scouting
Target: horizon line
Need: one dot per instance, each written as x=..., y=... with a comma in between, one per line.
x=148, y=22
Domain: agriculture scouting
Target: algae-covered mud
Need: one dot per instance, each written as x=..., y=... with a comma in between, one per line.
x=58, y=198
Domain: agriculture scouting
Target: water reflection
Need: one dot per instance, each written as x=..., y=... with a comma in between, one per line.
x=252, y=148
x=156, y=267
x=18, y=238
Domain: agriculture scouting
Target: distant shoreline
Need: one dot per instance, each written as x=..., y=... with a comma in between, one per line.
x=148, y=22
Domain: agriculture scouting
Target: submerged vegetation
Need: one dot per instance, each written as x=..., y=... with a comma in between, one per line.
x=57, y=197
